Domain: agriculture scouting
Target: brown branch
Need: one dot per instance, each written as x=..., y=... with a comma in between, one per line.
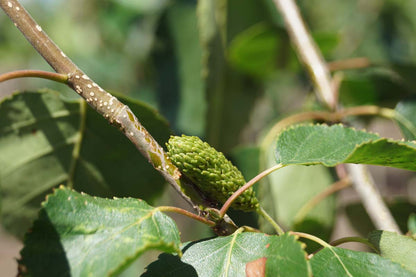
x=60, y=78
x=353, y=63
x=103, y=102
x=186, y=213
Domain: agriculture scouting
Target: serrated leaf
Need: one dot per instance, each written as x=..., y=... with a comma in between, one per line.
x=334, y=261
x=407, y=110
x=231, y=256
x=38, y=133
x=80, y=235
x=400, y=249
x=332, y=145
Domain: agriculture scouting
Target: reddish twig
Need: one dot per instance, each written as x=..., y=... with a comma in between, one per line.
x=60, y=78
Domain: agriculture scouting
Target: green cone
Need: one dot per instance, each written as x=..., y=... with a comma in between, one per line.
x=210, y=171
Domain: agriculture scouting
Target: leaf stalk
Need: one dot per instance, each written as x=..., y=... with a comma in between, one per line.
x=60, y=78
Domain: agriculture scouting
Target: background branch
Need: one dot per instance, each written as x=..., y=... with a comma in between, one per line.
x=312, y=58
x=377, y=210
x=308, y=51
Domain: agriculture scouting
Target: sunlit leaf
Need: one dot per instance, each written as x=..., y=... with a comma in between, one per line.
x=334, y=261
x=234, y=255
x=332, y=145
x=80, y=235
x=400, y=249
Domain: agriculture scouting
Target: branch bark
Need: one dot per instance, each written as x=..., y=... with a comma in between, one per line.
x=377, y=210
x=118, y=114
x=308, y=51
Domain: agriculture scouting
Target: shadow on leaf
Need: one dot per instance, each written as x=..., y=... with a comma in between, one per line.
x=169, y=265
x=43, y=253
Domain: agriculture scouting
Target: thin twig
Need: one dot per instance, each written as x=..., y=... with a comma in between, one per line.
x=186, y=213
x=371, y=198
x=269, y=219
x=354, y=239
x=61, y=78
x=308, y=206
x=310, y=237
x=308, y=51
x=353, y=63
x=103, y=102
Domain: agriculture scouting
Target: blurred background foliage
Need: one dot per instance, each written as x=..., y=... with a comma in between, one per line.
x=156, y=51
x=226, y=71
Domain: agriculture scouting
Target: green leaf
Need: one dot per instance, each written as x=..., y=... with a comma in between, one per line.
x=407, y=111
x=326, y=41
x=400, y=249
x=182, y=23
x=38, y=133
x=321, y=144
x=230, y=94
x=80, y=235
x=255, y=50
x=372, y=87
x=234, y=255
x=334, y=261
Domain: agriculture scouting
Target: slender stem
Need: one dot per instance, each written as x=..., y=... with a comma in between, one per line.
x=186, y=213
x=337, y=186
x=354, y=239
x=353, y=63
x=60, y=78
x=309, y=53
x=103, y=102
x=371, y=198
x=269, y=219
x=250, y=183
x=341, y=171
x=310, y=237
x=77, y=146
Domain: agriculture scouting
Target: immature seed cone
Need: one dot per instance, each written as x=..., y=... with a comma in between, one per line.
x=210, y=171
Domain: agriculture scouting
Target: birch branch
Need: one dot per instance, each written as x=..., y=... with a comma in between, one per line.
x=117, y=114
x=312, y=58
x=371, y=198
x=308, y=51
